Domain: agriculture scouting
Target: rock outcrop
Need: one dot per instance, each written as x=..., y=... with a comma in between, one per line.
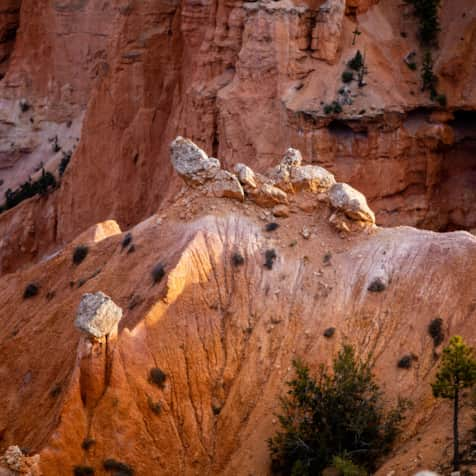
x=97, y=315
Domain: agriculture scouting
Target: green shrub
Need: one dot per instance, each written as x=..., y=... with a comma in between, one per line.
x=435, y=329
x=269, y=258
x=331, y=414
x=64, y=163
x=83, y=471
x=347, y=76
x=405, y=362
x=441, y=100
x=377, y=286
x=328, y=109
x=119, y=469
x=157, y=377
x=79, y=254
x=412, y=66
x=237, y=259
x=127, y=240
x=346, y=467
x=427, y=12
x=158, y=273
x=31, y=291
x=271, y=226
x=357, y=62
x=42, y=186
x=329, y=332
x=87, y=444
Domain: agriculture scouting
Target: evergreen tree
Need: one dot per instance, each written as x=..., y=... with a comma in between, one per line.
x=334, y=414
x=457, y=371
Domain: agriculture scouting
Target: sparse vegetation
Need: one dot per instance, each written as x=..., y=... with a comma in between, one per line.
x=83, y=471
x=270, y=257
x=29, y=189
x=357, y=62
x=155, y=407
x=157, y=377
x=237, y=259
x=457, y=371
x=271, y=226
x=435, y=329
x=333, y=414
x=377, y=286
x=55, y=391
x=347, y=76
x=427, y=12
x=405, y=362
x=120, y=469
x=64, y=163
x=344, y=465
x=158, y=273
x=327, y=258
x=127, y=240
x=334, y=107
x=329, y=332
x=412, y=65
x=88, y=443
x=31, y=291
x=79, y=254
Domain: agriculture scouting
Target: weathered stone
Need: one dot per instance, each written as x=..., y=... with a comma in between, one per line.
x=312, y=178
x=351, y=202
x=245, y=174
x=225, y=184
x=97, y=314
x=292, y=158
x=267, y=196
x=281, y=211
x=191, y=162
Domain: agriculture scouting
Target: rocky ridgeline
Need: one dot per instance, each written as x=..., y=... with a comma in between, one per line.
x=274, y=190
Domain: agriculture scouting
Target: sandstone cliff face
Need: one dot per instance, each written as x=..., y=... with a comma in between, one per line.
x=245, y=81
x=221, y=332
x=224, y=334
x=112, y=84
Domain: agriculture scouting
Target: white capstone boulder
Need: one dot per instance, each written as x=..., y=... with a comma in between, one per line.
x=97, y=315
x=225, y=184
x=191, y=162
x=245, y=174
x=351, y=202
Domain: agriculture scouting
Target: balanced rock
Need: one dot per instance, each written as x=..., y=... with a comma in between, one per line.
x=97, y=314
x=191, y=162
x=225, y=184
x=245, y=174
x=311, y=177
x=351, y=202
x=291, y=176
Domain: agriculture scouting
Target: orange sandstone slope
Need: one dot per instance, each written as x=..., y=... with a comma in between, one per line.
x=114, y=82
x=225, y=333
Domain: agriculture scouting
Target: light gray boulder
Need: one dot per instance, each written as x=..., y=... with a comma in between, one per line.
x=191, y=162
x=351, y=202
x=97, y=315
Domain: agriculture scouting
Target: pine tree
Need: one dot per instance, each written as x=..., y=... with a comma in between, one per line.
x=457, y=371
x=339, y=413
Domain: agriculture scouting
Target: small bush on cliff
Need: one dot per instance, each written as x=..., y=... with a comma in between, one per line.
x=346, y=468
x=79, y=254
x=119, y=469
x=31, y=291
x=427, y=12
x=83, y=471
x=269, y=258
x=157, y=377
x=158, y=273
x=357, y=62
x=435, y=329
x=127, y=240
x=237, y=259
x=347, y=76
x=334, y=413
